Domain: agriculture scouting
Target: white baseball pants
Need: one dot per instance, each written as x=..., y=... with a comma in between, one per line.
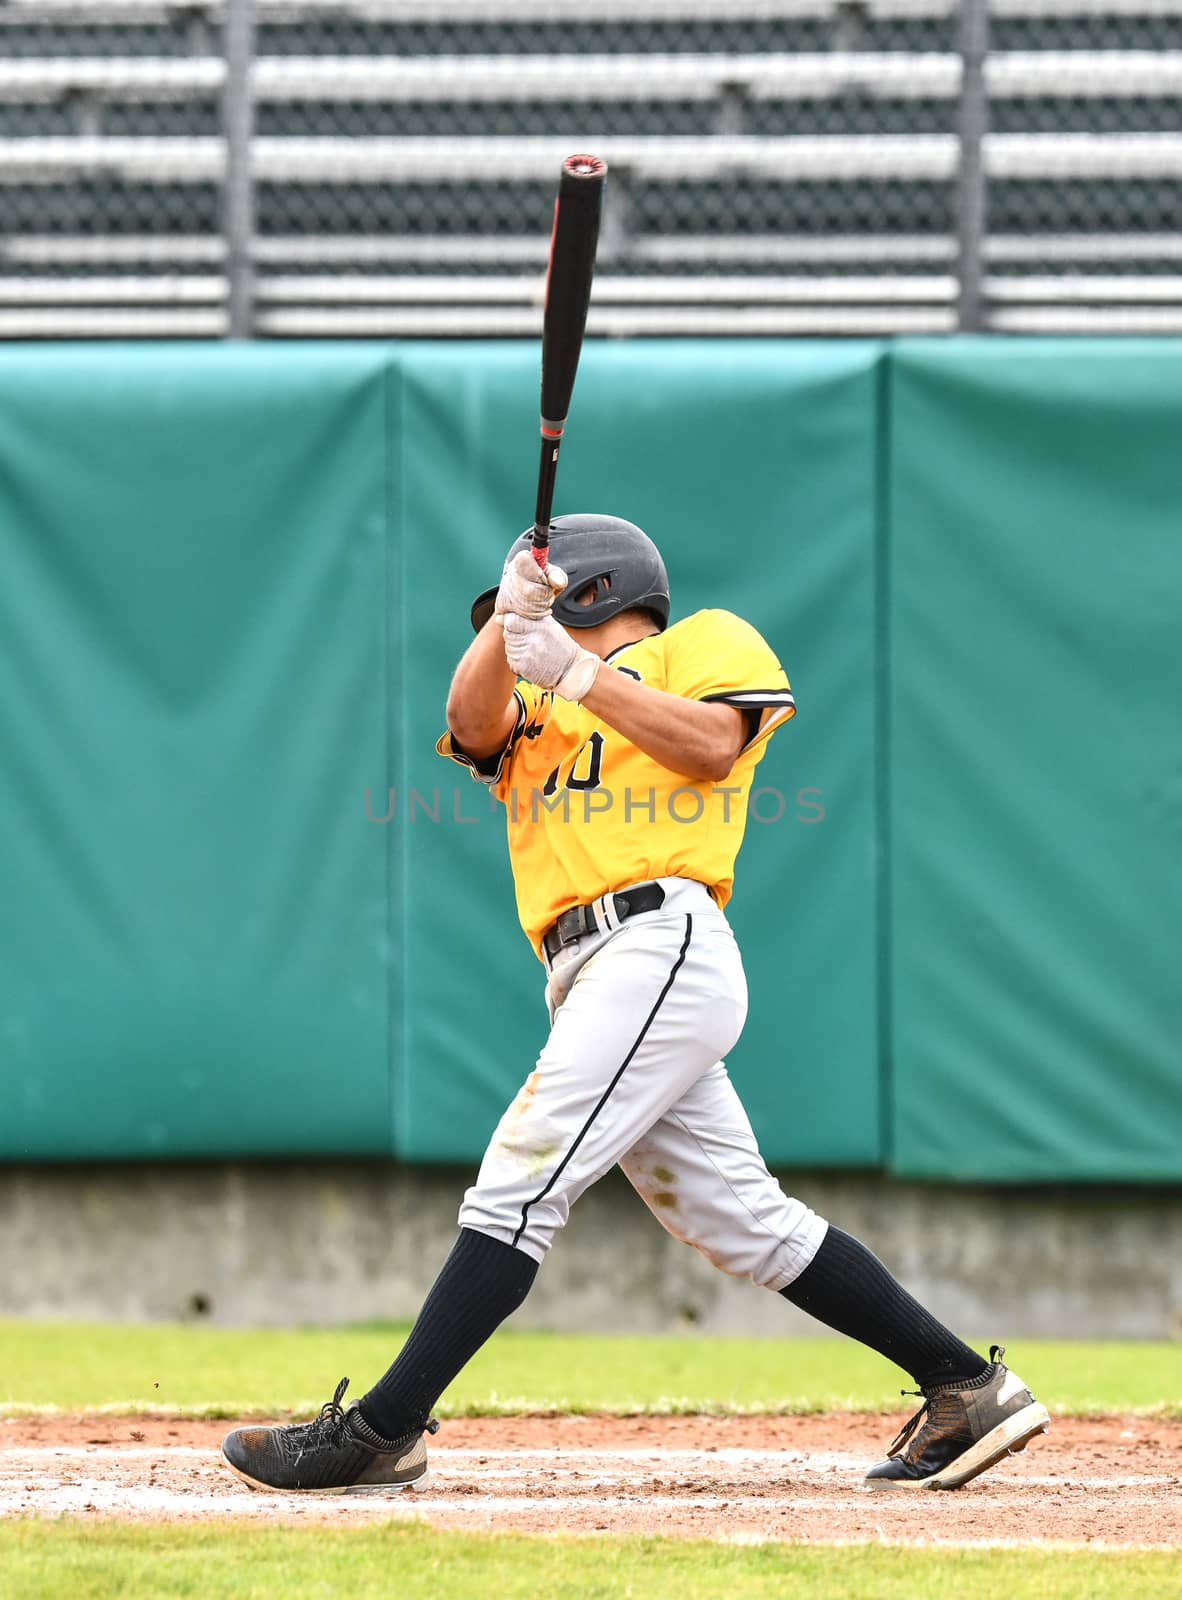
x=632, y=1074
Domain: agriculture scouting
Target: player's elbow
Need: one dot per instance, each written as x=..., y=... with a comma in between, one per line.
x=718, y=739
x=719, y=768
x=472, y=736
x=474, y=731
x=710, y=763
x=719, y=756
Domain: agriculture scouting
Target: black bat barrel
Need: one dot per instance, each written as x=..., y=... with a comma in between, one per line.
x=568, y=283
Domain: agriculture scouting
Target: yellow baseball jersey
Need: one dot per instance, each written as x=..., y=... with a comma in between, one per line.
x=588, y=812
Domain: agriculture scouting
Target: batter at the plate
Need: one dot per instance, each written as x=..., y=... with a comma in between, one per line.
x=624, y=749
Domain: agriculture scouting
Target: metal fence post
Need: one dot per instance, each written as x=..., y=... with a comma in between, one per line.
x=238, y=194
x=972, y=123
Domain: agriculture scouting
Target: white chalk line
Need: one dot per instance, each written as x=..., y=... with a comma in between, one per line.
x=494, y=1465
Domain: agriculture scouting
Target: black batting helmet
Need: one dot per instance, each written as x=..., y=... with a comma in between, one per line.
x=590, y=546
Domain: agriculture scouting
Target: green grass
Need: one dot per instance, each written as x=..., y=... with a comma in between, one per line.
x=44, y=1561
x=232, y=1372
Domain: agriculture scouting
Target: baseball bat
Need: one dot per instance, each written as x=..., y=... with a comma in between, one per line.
x=568, y=293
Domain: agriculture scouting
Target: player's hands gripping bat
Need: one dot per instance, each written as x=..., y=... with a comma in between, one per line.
x=527, y=589
x=568, y=294
x=541, y=651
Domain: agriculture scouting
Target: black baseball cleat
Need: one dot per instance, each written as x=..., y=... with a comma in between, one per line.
x=966, y=1427
x=338, y=1453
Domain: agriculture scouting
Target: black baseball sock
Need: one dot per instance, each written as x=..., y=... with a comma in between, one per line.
x=482, y=1282
x=847, y=1287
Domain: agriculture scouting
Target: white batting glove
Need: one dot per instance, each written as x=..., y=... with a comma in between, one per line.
x=542, y=652
x=526, y=589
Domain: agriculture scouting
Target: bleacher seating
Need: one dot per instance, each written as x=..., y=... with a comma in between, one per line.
x=776, y=165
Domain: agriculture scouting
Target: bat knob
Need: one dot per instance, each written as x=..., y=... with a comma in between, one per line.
x=584, y=166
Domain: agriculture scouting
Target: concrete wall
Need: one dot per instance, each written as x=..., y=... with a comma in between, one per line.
x=342, y=1242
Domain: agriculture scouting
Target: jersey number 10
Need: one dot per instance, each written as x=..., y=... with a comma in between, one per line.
x=591, y=778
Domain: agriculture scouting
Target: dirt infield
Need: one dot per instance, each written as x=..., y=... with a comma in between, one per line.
x=1111, y=1481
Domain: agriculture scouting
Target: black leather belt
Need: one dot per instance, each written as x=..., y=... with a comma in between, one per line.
x=580, y=920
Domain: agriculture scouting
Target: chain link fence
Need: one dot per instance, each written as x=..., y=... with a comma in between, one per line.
x=388, y=167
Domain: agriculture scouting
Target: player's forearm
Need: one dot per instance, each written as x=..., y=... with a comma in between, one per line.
x=696, y=739
x=481, y=710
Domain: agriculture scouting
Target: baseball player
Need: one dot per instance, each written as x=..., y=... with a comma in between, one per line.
x=624, y=749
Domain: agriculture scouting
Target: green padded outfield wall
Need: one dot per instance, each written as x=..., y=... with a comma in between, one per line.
x=235, y=581
x=1035, y=739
